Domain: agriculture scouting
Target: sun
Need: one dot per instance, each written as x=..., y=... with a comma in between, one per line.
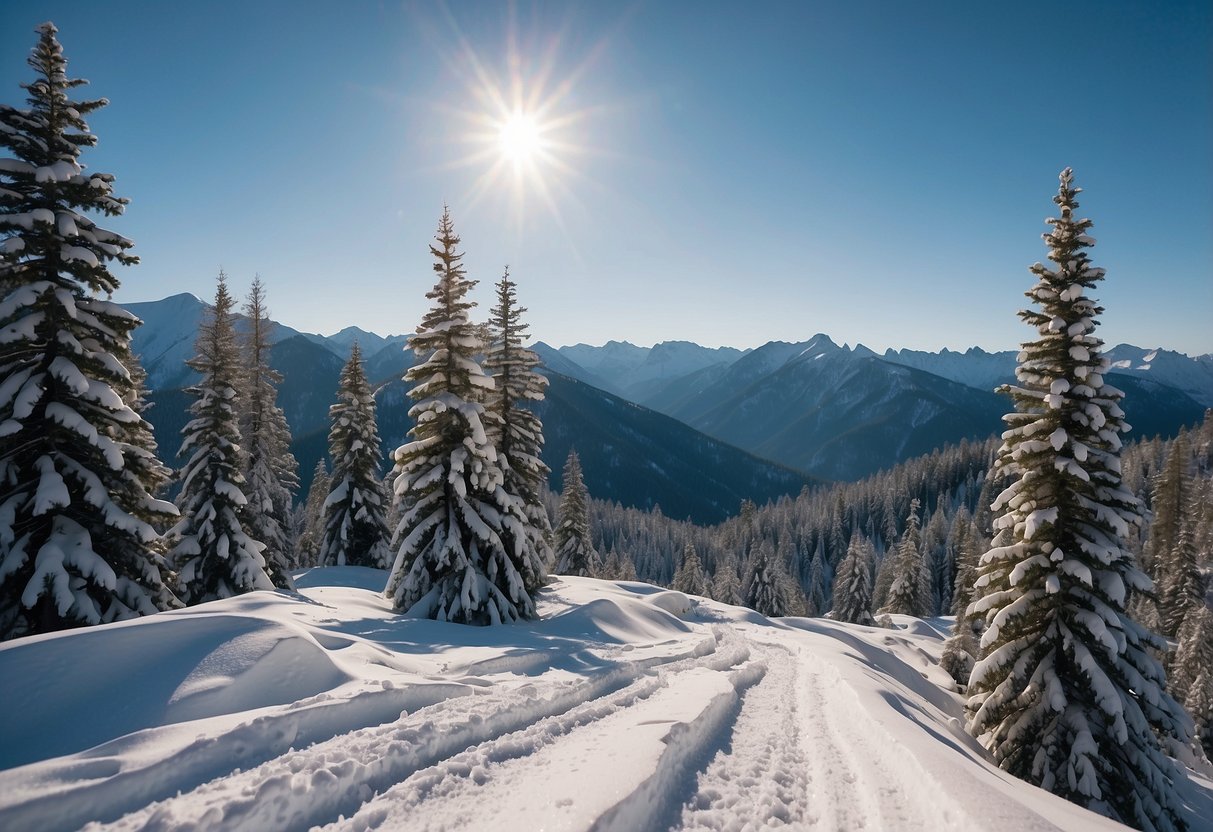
x=520, y=139
x=522, y=125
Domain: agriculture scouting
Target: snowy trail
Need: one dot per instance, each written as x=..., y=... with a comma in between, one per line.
x=300, y=789
x=665, y=719
x=860, y=780
x=761, y=774
x=624, y=708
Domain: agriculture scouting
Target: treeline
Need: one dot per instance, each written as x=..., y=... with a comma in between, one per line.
x=953, y=492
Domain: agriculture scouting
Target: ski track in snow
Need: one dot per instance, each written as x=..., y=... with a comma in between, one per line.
x=309, y=787
x=621, y=718
x=667, y=717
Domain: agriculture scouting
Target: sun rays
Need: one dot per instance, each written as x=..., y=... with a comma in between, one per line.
x=518, y=129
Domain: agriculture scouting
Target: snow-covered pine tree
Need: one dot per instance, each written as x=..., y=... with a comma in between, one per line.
x=270, y=470
x=517, y=433
x=1195, y=651
x=1065, y=693
x=78, y=468
x=1171, y=546
x=939, y=563
x=214, y=555
x=765, y=585
x=575, y=554
x=959, y=653
x=815, y=598
x=1200, y=706
x=726, y=586
x=964, y=541
x=626, y=570
x=910, y=587
x=689, y=579
x=355, y=511
x=452, y=563
x=853, y=583
x=311, y=517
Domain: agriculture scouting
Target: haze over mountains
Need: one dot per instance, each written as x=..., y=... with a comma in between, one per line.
x=694, y=429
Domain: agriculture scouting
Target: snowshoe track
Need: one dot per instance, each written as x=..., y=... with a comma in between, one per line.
x=760, y=779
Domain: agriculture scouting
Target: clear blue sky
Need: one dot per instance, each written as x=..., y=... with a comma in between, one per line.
x=720, y=172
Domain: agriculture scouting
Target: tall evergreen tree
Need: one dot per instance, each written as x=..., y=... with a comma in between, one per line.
x=816, y=601
x=517, y=433
x=355, y=511
x=452, y=563
x=1200, y=705
x=965, y=542
x=1195, y=651
x=726, y=585
x=575, y=554
x=214, y=554
x=689, y=578
x=765, y=589
x=1171, y=546
x=78, y=467
x=270, y=470
x=911, y=586
x=311, y=520
x=853, y=583
x=1065, y=693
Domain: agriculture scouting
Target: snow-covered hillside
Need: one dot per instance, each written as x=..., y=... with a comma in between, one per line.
x=626, y=707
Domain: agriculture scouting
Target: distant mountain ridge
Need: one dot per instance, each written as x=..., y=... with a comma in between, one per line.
x=842, y=413
x=630, y=454
x=829, y=411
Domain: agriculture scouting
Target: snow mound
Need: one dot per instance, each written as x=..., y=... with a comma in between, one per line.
x=622, y=621
x=156, y=671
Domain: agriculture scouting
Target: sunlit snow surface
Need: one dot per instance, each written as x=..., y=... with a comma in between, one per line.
x=626, y=707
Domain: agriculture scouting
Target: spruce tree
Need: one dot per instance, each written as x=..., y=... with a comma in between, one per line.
x=575, y=554
x=1065, y=693
x=726, y=586
x=816, y=598
x=959, y=653
x=355, y=511
x=689, y=579
x=1171, y=545
x=311, y=520
x=270, y=470
x=78, y=468
x=853, y=583
x=452, y=562
x=1200, y=705
x=1195, y=651
x=214, y=554
x=967, y=554
x=910, y=586
x=765, y=589
x=517, y=433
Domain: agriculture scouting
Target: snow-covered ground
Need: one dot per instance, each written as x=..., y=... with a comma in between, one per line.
x=626, y=707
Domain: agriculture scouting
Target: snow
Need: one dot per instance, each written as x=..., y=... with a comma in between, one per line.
x=624, y=707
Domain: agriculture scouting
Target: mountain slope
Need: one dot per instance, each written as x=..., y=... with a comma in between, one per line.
x=631, y=454
x=839, y=416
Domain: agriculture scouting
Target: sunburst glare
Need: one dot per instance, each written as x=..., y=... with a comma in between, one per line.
x=520, y=129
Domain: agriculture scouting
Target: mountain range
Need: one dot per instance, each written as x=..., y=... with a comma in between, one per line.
x=839, y=412
x=690, y=428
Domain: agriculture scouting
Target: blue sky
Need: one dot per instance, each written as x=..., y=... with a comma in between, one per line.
x=718, y=172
